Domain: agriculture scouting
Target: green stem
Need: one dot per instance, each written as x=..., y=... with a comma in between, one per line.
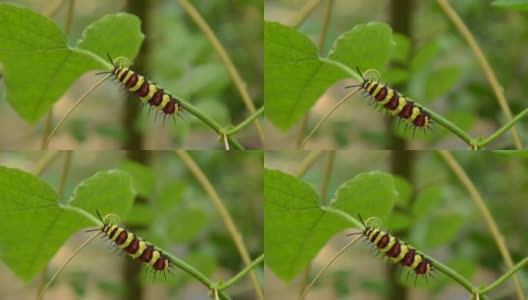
x=241, y=274
x=504, y=128
x=246, y=122
x=504, y=277
x=210, y=122
x=451, y=273
x=450, y=126
x=195, y=273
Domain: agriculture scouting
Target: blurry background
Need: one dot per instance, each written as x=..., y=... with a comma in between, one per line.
x=440, y=220
x=175, y=214
x=176, y=56
x=434, y=66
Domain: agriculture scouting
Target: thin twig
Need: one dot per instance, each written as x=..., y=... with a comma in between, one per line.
x=71, y=110
x=481, y=59
x=231, y=69
x=484, y=211
x=224, y=214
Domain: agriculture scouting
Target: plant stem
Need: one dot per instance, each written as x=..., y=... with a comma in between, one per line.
x=305, y=11
x=488, y=71
x=503, y=129
x=231, y=69
x=246, y=122
x=210, y=122
x=504, y=277
x=450, y=126
x=484, y=211
x=223, y=212
x=242, y=273
x=194, y=273
x=308, y=161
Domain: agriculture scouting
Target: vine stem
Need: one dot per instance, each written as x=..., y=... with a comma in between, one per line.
x=209, y=122
x=196, y=274
x=488, y=71
x=503, y=129
x=242, y=273
x=504, y=277
x=488, y=218
x=246, y=122
x=223, y=212
x=235, y=76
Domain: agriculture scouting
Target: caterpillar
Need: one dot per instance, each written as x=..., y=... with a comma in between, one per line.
x=397, y=251
x=395, y=103
x=136, y=247
x=147, y=91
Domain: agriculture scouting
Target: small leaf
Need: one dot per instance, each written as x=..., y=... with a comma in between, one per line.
x=367, y=46
x=426, y=201
x=368, y=194
x=439, y=82
x=142, y=176
x=442, y=229
x=107, y=191
x=125, y=30
x=424, y=56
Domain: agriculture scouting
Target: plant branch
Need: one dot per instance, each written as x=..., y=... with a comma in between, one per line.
x=195, y=273
x=223, y=212
x=305, y=11
x=504, y=277
x=246, y=122
x=488, y=218
x=308, y=161
x=481, y=59
x=209, y=122
x=503, y=129
x=242, y=273
x=235, y=76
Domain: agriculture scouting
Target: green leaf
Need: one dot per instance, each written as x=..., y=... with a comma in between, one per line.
x=295, y=75
x=424, y=56
x=108, y=192
x=402, y=48
x=296, y=226
x=186, y=223
x=368, y=194
x=38, y=64
x=404, y=190
x=441, y=229
x=368, y=46
x=170, y=195
x=125, y=30
x=142, y=176
x=513, y=4
x=426, y=201
x=34, y=225
x=440, y=81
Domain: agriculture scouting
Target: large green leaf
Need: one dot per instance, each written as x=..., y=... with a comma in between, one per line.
x=296, y=76
x=296, y=226
x=33, y=223
x=39, y=66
